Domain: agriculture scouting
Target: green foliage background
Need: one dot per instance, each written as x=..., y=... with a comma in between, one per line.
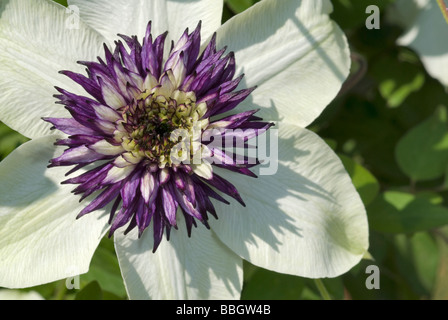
x=390, y=129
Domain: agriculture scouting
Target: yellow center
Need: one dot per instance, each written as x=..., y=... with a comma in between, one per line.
x=163, y=127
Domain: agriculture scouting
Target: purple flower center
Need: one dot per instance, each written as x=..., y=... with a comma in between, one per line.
x=151, y=136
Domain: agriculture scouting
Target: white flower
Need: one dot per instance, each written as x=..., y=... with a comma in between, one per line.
x=306, y=220
x=426, y=32
x=6, y=294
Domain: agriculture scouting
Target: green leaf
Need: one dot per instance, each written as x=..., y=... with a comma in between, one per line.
x=440, y=291
x=400, y=212
x=9, y=140
x=432, y=197
x=268, y=285
x=417, y=260
x=334, y=287
x=367, y=127
x=92, y=291
x=397, y=79
x=422, y=153
x=365, y=183
x=105, y=270
x=238, y=6
x=111, y=296
x=62, y=2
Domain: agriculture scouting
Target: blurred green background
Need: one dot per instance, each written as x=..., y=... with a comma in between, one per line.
x=390, y=129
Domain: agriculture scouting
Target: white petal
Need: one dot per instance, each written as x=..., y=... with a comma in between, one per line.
x=38, y=39
x=427, y=35
x=117, y=174
x=130, y=17
x=203, y=170
x=104, y=147
x=147, y=186
x=8, y=294
x=200, y=267
x=293, y=52
x=307, y=219
x=40, y=239
x=111, y=96
x=106, y=113
x=164, y=176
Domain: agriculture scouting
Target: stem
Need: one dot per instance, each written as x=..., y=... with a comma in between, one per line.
x=444, y=9
x=322, y=290
x=413, y=186
x=60, y=291
x=357, y=76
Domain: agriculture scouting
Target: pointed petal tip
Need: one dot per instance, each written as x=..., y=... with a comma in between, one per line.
x=205, y=223
x=80, y=215
x=59, y=89
x=225, y=201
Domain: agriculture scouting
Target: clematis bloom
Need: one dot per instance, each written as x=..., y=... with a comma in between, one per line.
x=425, y=28
x=124, y=99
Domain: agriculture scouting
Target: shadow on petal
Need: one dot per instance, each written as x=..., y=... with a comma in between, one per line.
x=24, y=175
x=200, y=267
x=305, y=213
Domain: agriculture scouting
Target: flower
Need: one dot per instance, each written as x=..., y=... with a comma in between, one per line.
x=6, y=294
x=147, y=124
x=306, y=219
x=425, y=28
